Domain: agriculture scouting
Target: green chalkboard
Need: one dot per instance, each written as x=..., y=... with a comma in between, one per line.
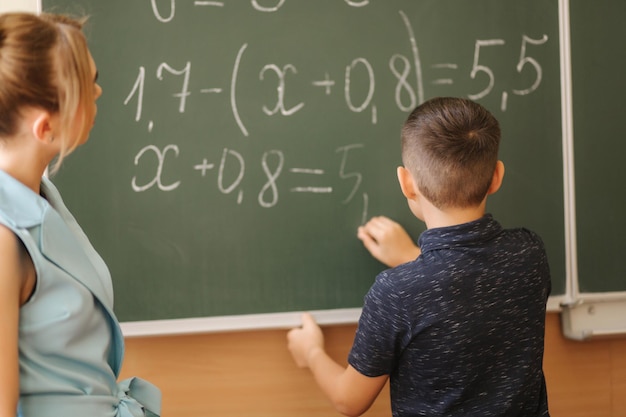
x=239, y=144
x=598, y=62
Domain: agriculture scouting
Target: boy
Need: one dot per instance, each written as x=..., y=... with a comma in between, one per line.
x=459, y=331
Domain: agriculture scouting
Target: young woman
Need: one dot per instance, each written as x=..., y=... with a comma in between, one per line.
x=61, y=347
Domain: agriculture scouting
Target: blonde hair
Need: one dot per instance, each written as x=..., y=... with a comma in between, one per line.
x=44, y=63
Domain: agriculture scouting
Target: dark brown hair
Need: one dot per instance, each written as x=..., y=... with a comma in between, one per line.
x=450, y=147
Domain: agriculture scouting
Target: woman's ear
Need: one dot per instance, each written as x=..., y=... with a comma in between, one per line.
x=407, y=184
x=496, y=180
x=42, y=127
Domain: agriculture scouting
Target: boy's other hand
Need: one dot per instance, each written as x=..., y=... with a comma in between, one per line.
x=303, y=342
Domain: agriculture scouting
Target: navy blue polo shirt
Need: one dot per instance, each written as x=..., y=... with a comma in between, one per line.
x=460, y=330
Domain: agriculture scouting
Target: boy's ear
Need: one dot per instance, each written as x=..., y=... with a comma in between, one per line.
x=407, y=184
x=496, y=180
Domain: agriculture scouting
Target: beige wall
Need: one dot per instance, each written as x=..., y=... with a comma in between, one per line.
x=19, y=5
x=251, y=374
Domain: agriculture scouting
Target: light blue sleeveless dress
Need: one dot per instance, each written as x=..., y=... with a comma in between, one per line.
x=70, y=343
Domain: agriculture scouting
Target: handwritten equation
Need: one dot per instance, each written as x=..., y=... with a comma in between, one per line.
x=273, y=166
x=357, y=86
x=407, y=94
x=259, y=5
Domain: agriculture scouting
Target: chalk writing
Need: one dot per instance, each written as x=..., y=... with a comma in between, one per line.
x=406, y=95
x=159, y=169
x=360, y=95
x=267, y=6
x=280, y=101
x=272, y=164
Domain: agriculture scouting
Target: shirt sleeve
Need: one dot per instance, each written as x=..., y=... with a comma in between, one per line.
x=382, y=330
